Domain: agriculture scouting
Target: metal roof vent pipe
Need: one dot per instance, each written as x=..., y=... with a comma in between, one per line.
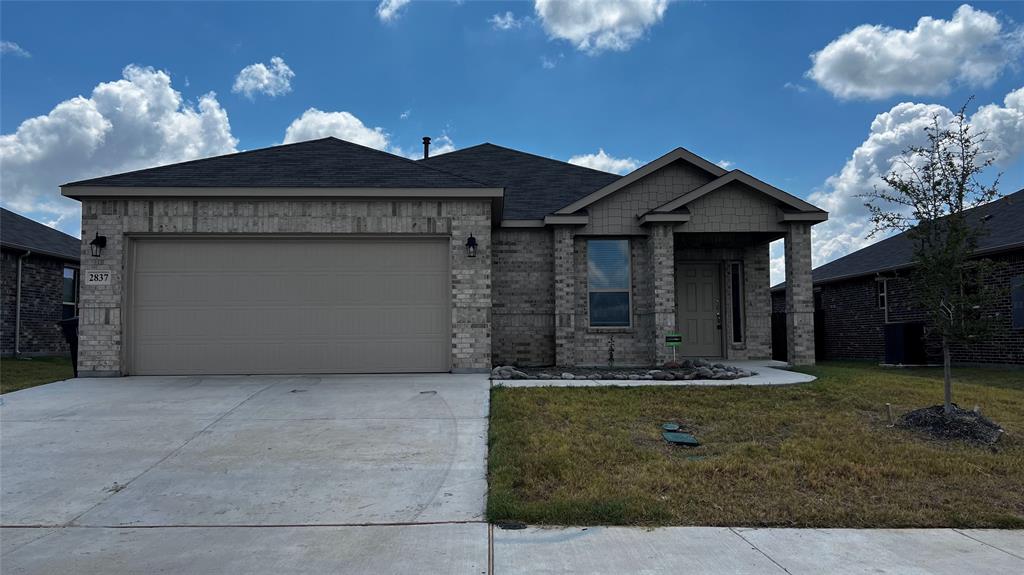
x=426, y=147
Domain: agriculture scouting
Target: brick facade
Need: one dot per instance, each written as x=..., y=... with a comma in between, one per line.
x=100, y=348
x=523, y=296
x=854, y=324
x=799, y=296
x=42, y=292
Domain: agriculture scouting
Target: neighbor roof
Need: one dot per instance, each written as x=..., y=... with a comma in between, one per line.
x=19, y=232
x=535, y=186
x=324, y=163
x=1004, y=229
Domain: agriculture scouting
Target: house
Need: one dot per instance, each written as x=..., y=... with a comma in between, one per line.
x=328, y=257
x=38, y=286
x=865, y=308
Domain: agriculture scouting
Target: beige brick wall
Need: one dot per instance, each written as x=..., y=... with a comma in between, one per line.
x=100, y=349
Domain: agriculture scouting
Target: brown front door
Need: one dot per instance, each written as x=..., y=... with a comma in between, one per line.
x=699, y=307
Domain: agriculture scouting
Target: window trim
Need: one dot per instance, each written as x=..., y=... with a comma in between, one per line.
x=628, y=290
x=882, y=293
x=77, y=281
x=737, y=303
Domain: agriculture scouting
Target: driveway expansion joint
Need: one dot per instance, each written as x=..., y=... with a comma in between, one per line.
x=758, y=549
x=987, y=544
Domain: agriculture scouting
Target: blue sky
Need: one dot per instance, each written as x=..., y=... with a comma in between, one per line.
x=729, y=81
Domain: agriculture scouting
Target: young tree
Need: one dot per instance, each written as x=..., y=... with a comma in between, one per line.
x=926, y=195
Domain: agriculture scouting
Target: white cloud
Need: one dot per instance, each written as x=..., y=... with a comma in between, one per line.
x=873, y=61
x=892, y=132
x=724, y=164
x=390, y=10
x=405, y=115
x=547, y=63
x=594, y=26
x=605, y=163
x=315, y=124
x=137, y=122
x=13, y=48
x=506, y=21
x=795, y=87
x=274, y=80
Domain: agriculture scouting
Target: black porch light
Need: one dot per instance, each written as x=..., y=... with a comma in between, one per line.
x=471, y=246
x=97, y=244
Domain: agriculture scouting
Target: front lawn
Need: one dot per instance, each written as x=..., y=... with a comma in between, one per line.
x=18, y=374
x=810, y=455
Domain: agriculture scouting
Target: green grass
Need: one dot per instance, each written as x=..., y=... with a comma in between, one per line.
x=811, y=455
x=18, y=374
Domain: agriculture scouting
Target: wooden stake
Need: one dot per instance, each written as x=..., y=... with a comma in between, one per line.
x=892, y=420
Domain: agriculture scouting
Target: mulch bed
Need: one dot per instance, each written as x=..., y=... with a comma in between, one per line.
x=960, y=424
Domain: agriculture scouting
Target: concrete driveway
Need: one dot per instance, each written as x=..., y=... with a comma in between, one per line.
x=348, y=474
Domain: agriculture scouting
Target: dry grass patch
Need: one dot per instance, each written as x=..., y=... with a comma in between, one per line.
x=813, y=455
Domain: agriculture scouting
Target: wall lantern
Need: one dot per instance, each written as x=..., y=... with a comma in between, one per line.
x=471, y=246
x=97, y=244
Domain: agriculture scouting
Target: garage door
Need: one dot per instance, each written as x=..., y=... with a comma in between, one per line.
x=247, y=306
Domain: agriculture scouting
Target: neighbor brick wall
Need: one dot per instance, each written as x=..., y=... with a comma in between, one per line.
x=101, y=330
x=854, y=326
x=523, y=294
x=42, y=291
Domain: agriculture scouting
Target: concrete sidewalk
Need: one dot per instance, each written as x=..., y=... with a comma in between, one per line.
x=769, y=372
x=723, y=550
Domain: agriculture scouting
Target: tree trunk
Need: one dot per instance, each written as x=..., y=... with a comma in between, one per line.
x=947, y=378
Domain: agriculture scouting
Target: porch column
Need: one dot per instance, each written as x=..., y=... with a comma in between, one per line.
x=662, y=245
x=565, y=296
x=799, y=295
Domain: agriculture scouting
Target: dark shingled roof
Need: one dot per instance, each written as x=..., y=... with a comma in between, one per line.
x=534, y=186
x=1004, y=229
x=21, y=233
x=324, y=163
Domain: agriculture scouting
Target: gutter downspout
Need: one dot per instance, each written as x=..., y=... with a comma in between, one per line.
x=17, y=308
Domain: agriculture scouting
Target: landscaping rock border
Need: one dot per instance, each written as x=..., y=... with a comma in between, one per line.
x=671, y=371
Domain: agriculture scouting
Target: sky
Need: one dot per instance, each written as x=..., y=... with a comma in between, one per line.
x=815, y=98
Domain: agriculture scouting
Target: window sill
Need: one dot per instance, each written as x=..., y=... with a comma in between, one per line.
x=610, y=330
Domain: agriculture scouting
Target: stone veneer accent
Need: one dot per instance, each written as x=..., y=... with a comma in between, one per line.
x=100, y=347
x=663, y=272
x=565, y=295
x=799, y=295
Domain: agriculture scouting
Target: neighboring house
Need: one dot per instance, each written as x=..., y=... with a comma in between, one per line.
x=865, y=308
x=326, y=256
x=39, y=286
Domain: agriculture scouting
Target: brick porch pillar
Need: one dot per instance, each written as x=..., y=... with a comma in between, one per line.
x=799, y=295
x=565, y=297
x=663, y=272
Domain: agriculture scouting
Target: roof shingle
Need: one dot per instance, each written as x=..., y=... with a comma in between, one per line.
x=535, y=186
x=324, y=163
x=19, y=232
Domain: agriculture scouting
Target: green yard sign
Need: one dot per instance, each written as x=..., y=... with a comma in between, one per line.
x=673, y=340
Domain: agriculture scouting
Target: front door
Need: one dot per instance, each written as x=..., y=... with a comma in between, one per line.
x=699, y=308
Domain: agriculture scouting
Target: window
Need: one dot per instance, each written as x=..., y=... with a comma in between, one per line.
x=1017, y=301
x=882, y=287
x=737, y=303
x=608, y=282
x=69, y=307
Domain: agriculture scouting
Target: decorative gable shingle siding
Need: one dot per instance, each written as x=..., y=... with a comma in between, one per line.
x=733, y=208
x=618, y=213
x=100, y=347
x=42, y=290
x=523, y=320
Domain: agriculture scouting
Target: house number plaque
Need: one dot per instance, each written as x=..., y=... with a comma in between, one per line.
x=97, y=277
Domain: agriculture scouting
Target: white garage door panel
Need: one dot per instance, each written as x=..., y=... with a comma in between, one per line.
x=290, y=306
